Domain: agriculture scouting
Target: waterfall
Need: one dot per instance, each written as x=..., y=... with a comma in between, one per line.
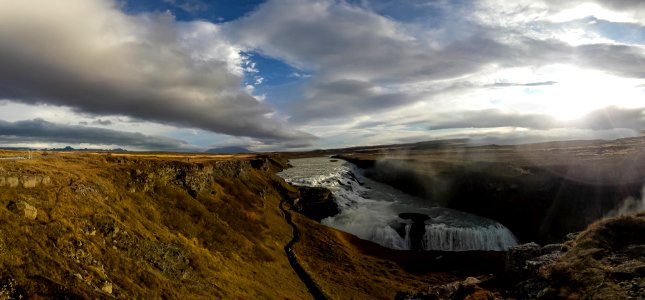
x=388, y=237
x=493, y=237
x=371, y=210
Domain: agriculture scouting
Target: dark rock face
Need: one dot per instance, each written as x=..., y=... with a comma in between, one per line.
x=540, y=204
x=523, y=266
x=316, y=203
x=418, y=229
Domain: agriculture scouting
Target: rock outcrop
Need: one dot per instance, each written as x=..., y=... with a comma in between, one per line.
x=469, y=288
x=417, y=229
x=606, y=261
x=26, y=181
x=316, y=203
x=23, y=209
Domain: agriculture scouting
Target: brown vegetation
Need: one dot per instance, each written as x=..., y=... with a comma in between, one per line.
x=144, y=227
x=177, y=226
x=606, y=261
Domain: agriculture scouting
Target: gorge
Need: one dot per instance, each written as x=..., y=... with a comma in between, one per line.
x=202, y=226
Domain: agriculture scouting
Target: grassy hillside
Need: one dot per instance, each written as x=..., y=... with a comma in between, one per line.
x=144, y=227
x=175, y=226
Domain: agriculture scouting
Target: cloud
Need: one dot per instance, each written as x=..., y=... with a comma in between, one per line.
x=358, y=59
x=613, y=117
x=509, y=84
x=189, y=6
x=602, y=119
x=102, y=122
x=342, y=98
x=511, y=137
x=491, y=118
x=521, y=12
x=41, y=131
x=342, y=41
x=88, y=55
x=623, y=60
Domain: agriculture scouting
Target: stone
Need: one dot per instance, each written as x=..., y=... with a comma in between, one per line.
x=471, y=281
x=23, y=209
x=572, y=236
x=12, y=181
x=517, y=256
x=30, y=181
x=467, y=289
x=635, y=251
x=316, y=203
x=107, y=287
x=550, y=248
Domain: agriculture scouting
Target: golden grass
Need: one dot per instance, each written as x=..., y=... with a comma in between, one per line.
x=129, y=220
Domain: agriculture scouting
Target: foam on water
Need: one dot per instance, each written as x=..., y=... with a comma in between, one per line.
x=369, y=209
x=494, y=237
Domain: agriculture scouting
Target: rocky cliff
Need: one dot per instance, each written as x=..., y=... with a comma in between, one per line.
x=605, y=261
x=541, y=192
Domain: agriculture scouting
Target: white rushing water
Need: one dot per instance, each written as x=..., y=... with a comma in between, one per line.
x=370, y=210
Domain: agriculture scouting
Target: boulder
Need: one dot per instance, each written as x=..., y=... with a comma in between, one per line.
x=316, y=203
x=517, y=257
x=525, y=265
x=23, y=209
x=107, y=287
x=470, y=288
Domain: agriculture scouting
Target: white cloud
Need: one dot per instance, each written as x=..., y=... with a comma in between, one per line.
x=485, y=68
x=93, y=58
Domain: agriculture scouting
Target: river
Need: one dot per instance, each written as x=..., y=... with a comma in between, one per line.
x=371, y=211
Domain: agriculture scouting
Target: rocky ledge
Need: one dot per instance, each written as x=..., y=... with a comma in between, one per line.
x=315, y=202
x=606, y=261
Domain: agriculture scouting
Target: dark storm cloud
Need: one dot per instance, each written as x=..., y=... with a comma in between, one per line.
x=91, y=57
x=40, y=131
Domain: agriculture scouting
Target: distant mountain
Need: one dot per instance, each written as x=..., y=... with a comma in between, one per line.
x=70, y=148
x=17, y=148
x=229, y=150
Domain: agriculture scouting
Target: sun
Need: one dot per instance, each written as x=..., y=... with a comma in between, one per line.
x=568, y=111
x=579, y=92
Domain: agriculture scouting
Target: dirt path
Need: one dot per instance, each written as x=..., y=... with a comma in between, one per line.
x=314, y=290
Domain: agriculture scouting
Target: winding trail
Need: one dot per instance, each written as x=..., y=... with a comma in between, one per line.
x=314, y=290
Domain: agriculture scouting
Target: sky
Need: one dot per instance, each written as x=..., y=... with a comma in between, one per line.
x=284, y=75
